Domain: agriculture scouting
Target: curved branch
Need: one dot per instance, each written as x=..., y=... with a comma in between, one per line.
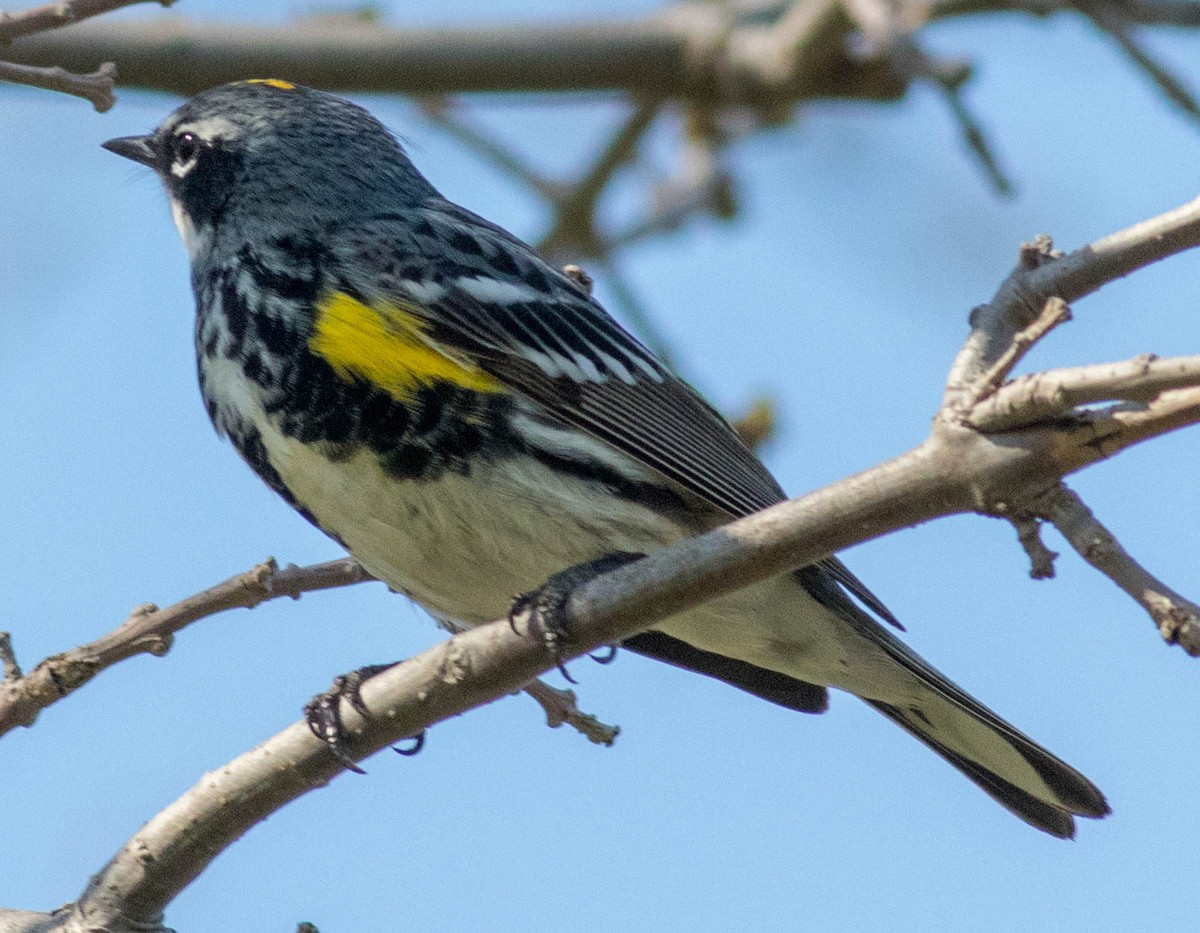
x=957, y=469
x=56, y=15
x=149, y=630
x=1177, y=618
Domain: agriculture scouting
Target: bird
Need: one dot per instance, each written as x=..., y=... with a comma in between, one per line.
x=469, y=422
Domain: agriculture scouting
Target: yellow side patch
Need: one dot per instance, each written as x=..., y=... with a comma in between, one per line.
x=387, y=347
x=272, y=82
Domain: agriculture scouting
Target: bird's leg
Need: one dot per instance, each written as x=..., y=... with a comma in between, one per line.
x=323, y=713
x=547, y=617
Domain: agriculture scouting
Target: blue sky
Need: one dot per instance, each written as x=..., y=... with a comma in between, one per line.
x=842, y=291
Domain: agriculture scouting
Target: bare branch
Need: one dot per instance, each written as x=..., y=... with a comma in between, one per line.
x=149, y=630
x=8, y=658
x=96, y=87
x=971, y=129
x=1145, y=12
x=1054, y=312
x=1122, y=426
x=1042, y=396
x=655, y=56
x=559, y=707
x=1177, y=618
x=1113, y=19
x=957, y=469
x=1042, y=273
x=56, y=15
x=1041, y=558
x=574, y=205
x=889, y=32
x=441, y=111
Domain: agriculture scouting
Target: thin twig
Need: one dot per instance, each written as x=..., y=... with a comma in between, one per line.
x=972, y=131
x=56, y=15
x=619, y=151
x=149, y=630
x=1040, y=397
x=1041, y=558
x=889, y=32
x=96, y=87
x=559, y=707
x=1111, y=17
x=1054, y=312
x=1042, y=273
x=1177, y=618
x=8, y=658
x=441, y=112
x=575, y=231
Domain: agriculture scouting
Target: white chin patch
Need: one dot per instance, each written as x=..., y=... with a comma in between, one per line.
x=194, y=241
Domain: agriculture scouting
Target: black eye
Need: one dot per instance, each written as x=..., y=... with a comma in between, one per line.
x=187, y=146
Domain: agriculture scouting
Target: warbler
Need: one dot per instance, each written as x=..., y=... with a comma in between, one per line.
x=468, y=421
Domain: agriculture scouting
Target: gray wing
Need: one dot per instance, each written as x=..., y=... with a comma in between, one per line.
x=484, y=293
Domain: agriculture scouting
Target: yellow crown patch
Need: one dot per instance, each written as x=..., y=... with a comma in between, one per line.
x=272, y=82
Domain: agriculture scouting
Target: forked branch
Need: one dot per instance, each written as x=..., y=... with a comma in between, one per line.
x=959, y=468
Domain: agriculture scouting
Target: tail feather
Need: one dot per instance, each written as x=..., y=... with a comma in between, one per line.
x=1077, y=795
x=1005, y=762
x=1041, y=789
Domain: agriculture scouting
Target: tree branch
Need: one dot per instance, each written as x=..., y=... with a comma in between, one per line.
x=149, y=630
x=690, y=50
x=654, y=56
x=1177, y=618
x=96, y=87
x=56, y=15
x=957, y=469
x=1044, y=396
x=1043, y=273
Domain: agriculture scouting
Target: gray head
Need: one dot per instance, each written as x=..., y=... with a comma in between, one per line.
x=261, y=151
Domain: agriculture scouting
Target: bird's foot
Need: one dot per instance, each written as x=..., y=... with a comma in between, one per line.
x=323, y=713
x=545, y=610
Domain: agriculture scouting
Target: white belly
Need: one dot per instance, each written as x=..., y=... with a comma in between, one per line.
x=463, y=547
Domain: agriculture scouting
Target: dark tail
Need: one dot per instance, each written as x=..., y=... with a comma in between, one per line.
x=769, y=685
x=1072, y=794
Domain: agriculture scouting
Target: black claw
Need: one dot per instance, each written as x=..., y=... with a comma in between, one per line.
x=323, y=713
x=516, y=608
x=562, y=669
x=418, y=743
x=548, y=617
x=607, y=658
